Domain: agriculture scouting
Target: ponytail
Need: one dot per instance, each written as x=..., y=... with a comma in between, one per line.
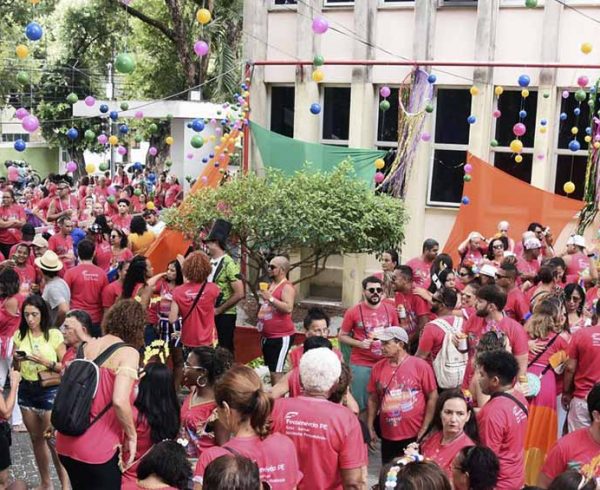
x=260, y=417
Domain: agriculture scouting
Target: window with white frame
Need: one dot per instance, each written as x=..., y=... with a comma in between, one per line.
x=459, y=3
x=12, y=137
x=336, y=115
x=282, y=109
x=510, y=104
x=387, y=122
x=451, y=139
x=285, y=2
x=337, y=3
x=571, y=166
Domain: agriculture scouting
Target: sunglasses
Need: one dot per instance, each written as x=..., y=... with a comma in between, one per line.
x=272, y=267
x=463, y=274
x=375, y=290
x=498, y=246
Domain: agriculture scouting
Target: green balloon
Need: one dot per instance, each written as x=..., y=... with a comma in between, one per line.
x=197, y=141
x=168, y=163
x=89, y=135
x=138, y=138
x=110, y=199
x=591, y=103
x=531, y=4
x=494, y=143
x=467, y=178
x=103, y=167
x=384, y=105
x=429, y=108
x=546, y=95
x=124, y=106
x=138, y=192
x=318, y=60
x=23, y=77
x=124, y=63
x=169, y=117
x=72, y=98
x=153, y=128
x=580, y=95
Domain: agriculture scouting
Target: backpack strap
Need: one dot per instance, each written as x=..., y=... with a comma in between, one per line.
x=106, y=353
x=80, y=354
x=194, y=303
x=511, y=397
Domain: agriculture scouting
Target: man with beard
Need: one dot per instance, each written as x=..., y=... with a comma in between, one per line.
x=360, y=325
x=489, y=316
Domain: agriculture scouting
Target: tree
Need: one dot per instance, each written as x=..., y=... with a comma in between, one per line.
x=328, y=213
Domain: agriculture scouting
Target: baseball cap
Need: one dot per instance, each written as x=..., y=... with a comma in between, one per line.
x=487, y=270
x=532, y=243
x=390, y=333
x=578, y=241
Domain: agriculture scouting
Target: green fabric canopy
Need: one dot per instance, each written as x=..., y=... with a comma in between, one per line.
x=290, y=155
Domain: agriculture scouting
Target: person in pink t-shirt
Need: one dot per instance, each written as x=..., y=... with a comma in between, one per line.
x=165, y=467
x=529, y=263
x=577, y=448
x=63, y=205
x=413, y=310
x=473, y=248
x=12, y=219
x=422, y=265
x=316, y=324
x=579, y=265
x=327, y=436
x=517, y=306
x=61, y=243
x=503, y=419
x=122, y=220
x=245, y=409
x=30, y=278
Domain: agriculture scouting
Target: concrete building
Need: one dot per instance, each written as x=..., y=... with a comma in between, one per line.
x=437, y=30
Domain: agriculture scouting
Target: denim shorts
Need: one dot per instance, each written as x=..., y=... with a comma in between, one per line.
x=32, y=395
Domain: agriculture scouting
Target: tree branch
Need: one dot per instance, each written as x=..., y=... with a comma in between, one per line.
x=317, y=270
x=166, y=31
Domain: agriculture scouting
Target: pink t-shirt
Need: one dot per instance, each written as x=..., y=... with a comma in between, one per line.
x=275, y=455
x=421, y=272
x=294, y=383
x=432, y=338
x=12, y=212
x=63, y=247
x=86, y=282
x=406, y=389
x=570, y=452
x=363, y=322
x=578, y=262
x=199, y=327
x=28, y=276
x=111, y=293
x=327, y=436
x=194, y=419
x=528, y=267
x=414, y=306
x=144, y=444
x=585, y=349
x=443, y=455
x=121, y=221
x=502, y=427
x=103, y=255
x=474, y=255
x=171, y=195
x=272, y=323
x=517, y=306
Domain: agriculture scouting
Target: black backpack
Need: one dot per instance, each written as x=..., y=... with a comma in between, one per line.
x=76, y=392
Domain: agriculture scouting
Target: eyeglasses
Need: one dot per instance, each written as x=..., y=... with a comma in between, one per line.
x=189, y=366
x=272, y=267
x=375, y=290
x=498, y=246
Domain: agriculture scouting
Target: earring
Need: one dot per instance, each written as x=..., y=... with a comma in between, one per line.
x=201, y=381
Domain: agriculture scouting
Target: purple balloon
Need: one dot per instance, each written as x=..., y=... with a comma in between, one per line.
x=30, y=123
x=582, y=81
x=218, y=131
x=121, y=150
x=89, y=101
x=20, y=113
x=102, y=139
x=139, y=114
x=565, y=94
x=320, y=25
x=190, y=156
x=496, y=114
x=385, y=92
x=200, y=48
x=468, y=168
x=71, y=166
x=426, y=137
x=153, y=151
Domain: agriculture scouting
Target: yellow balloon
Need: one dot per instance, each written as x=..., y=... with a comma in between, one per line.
x=597, y=145
x=90, y=168
x=474, y=91
x=569, y=187
x=587, y=139
x=113, y=140
x=379, y=163
x=169, y=140
x=524, y=93
x=22, y=51
x=586, y=48
x=499, y=90
x=543, y=129
x=516, y=146
x=318, y=75
x=574, y=130
x=203, y=16
x=518, y=159
x=211, y=138
x=150, y=205
x=217, y=149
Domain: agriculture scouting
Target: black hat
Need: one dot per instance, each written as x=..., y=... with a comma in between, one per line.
x=219, y=231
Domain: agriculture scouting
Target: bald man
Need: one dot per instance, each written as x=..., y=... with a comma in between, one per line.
x=275, y=317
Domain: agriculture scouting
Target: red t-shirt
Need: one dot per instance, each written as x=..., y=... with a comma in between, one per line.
x=10, y=213
x=578, y=262
x=103, y=255
x=275, y=455
x=199, y=327
x=327, y=436
x=591, y=297
x=502, y=427
x=443, y=455
x=194, y=419
x=272, y=323
x=122, y=222
x=585, y=349
x=474, y=255
x=111, y=293
x=27, y=276
x=86, y=282
x=171, y=195
x=414, y=306
x=123, y=255
x=528, y=267
x=570, y=452
x=404, y=402
x=517, y=306
x=9, y=323
x=432, y=338
x=294, y=383
x=13, y=249
x=363, y=322
x=296, y=354
x=421, y=272
x=144, y=444
x=63, y=246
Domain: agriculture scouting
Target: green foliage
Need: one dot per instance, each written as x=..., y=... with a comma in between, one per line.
x=328, y=213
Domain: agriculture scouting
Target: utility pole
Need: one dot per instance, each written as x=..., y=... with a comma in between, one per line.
x=110, y=95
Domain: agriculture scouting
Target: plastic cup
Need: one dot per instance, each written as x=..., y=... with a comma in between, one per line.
x=263, y=286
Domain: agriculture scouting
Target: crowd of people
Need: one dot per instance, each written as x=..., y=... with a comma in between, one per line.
x=474, y=374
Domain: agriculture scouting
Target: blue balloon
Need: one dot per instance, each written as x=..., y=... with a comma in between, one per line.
x=315, y=108
x=103, y=108
x=189, y=125
x=19, y=145
x=577, y=111
x=34, y=31
x=522, y=114
x=543, y=122
x=72, y=134
x=205, y=160
x=151, y=177
x=588, y=130
x=431, y=78
x=524, y=81
x=471, y=119
x=574, y=145
x=137, y=166
x=123, y=129
x=198, y=125
x=223, y=122
x=114, y=115
x=465, y=200
x=211, y=155
x=563, y=116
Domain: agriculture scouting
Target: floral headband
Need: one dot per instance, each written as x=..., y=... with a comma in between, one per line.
x=392, y=476
x=157, y=349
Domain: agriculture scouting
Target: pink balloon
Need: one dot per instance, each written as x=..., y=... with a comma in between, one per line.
x=565, y=94
x=213, y=121
x=121, y=150
x=111, y=190
x=468, y=168
x=20, y=113
x=496, y=114
x=200, y=48
x=540, y=156
x=204, y=179
x=320, y=25
x=385, y=91
x=189, y=156
x=582, y=81
x=379, y=177
x=519, y=129
x=102, y=139
x=139, y=114
x=153, y=151
x=426, y=137
x=30, y=123
x=218, y=131
x=89, y=101
x=71, y=166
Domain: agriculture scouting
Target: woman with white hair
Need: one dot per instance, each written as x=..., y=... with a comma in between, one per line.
x=327, y=436
x=503, y=228
x=473, y=248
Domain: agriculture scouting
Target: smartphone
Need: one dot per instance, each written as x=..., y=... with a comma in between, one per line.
x=21, y=353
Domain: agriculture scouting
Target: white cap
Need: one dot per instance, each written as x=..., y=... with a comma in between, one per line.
x=532, y=243
x=487, y=270
x=579, y=241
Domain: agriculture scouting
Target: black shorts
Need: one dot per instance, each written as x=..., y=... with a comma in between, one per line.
x=275, y=352
x=5, y=442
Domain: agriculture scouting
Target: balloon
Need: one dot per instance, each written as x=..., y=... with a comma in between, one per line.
x=583, y=81
x=71, y=166
x=114, y=115
x=516, y=146
x=524, y=93
x=318, y=60
x=139, y=114
x=474, y=91
x=574, y=130
x=89, y=135
x=102, y=139
x=379, y=163
x=20, y=113
x=522, y=114
x=384, y=105
x=23, y=77
x=34, y=31
x=200, y=48
x=90, y=168
x=19, y=145
x=320, y=25
x=563, y=116
x=587, y=139
x=121, y=150
x=540, y=156
x=426, y=137
x=467, y=178
x=218, y=131
x=318, y=75
x=468, y=168
x=543, y=122
x=569, y=187
x=494, y=143
x=315, y=108
x=518, y=158
x=203, y=16
x=385, y=91
x=586, y=48
x=150, y=205
x=124, y=106
x=496, y=114
x=169, y=140
x=89, y=101
x=565, y=94
x=465, y=200
x=531, y=3
x=580, y=95
x=577, y=111
x=72, y=98
x=123, y=129
x=113, y=140
x=499, y=90
x=543, y=130
x=574, y=145
x=22, y=51
x=197, y=125
x=519, y=129
x=197, y=141
x=111, y=190
x=110, y=199
x=103, y=108
x=546, y=95
x=124, y=63
x=471, y=119
x=524, y=81
x=204, y=179
x=103, y=167
x=152, y=128
x=30, y=123
x=189, y=156
x=153, y=151
x=431, y=78
x=379, y=177
x=72, y=134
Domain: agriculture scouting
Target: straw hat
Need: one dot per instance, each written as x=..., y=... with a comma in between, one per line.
x=49, y=262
